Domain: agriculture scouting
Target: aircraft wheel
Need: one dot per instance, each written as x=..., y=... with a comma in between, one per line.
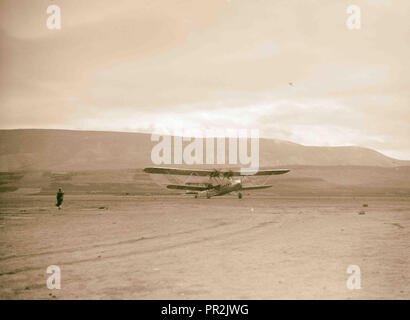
x=240, y=195
x=196, y=196
x=208, y=196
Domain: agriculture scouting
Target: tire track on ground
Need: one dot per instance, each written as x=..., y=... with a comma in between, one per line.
x=102, y=245
x=149, y=250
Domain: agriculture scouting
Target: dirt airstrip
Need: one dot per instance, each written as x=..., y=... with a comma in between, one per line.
x=177, y=247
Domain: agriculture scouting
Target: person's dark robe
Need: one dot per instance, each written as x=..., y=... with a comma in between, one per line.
x=60, y=196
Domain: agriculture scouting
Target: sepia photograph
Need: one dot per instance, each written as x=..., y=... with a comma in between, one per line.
x=218, y=150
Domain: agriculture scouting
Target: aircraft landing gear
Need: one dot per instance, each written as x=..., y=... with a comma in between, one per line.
x=208, y=196
x=239, y=195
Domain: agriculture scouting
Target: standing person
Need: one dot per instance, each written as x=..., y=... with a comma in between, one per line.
x=60, y=195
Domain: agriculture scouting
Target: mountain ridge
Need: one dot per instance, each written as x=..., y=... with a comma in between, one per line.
x=59, y=149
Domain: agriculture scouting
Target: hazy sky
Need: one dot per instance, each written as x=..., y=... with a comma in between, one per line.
x=136, y=65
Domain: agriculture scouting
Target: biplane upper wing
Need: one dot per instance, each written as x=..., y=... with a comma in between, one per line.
x=260, y=172
x=176, y=171
x=210, y=172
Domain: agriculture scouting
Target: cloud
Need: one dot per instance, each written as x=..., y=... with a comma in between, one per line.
x=150, y=64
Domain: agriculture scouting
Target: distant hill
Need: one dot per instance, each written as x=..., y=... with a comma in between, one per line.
x=69, y=150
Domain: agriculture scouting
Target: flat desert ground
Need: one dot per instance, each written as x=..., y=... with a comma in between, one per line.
x=176, y=247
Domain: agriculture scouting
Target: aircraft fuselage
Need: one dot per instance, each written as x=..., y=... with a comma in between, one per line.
x=220, y=190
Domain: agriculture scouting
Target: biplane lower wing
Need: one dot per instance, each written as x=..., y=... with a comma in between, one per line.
x=186, y=187
x=256, y=187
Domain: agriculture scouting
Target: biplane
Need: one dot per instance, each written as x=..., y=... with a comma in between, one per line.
x=219, y=182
